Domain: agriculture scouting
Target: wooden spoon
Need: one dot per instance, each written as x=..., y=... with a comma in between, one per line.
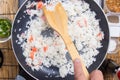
x=58, y=20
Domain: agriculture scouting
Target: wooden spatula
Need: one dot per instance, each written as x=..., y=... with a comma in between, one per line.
x=59, y=21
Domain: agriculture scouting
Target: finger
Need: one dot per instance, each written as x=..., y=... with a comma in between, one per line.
x=79, y=74
x=96, y=75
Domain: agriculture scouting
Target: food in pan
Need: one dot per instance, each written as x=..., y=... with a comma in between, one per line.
x=113, y=5
x=42, y=46
x=5, y=28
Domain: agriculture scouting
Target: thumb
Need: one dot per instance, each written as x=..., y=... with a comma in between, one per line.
x=96, y=75
x=79, y=74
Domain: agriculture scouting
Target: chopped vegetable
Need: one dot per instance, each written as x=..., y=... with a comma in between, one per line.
x=32, y=55
x=39, y=5
x=30, y=39
x=45, y=48
x=5, y=28
x=34, y=49
x=99, y=34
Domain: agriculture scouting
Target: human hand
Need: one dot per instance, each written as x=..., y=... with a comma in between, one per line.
x=79, y=74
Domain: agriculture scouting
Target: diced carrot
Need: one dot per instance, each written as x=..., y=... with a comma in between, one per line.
x=34, y=49
x=45, y=48
x=39, y=5
x=31, y=38
x=99, y=34
x=32, y=55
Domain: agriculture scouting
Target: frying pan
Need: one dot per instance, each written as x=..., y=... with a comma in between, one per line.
x=42, y=73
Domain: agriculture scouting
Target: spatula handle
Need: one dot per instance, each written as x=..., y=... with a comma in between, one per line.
x=73, y=52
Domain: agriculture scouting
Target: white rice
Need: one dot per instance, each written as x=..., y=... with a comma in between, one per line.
x=83, y=28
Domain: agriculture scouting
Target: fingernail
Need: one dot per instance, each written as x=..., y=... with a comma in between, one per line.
x=77, y=60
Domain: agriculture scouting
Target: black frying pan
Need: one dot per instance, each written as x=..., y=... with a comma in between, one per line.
x=42, y=73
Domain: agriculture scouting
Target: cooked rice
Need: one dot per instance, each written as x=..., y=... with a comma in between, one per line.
x=83, y=29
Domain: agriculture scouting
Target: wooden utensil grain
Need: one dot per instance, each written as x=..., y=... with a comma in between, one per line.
x=58, y=20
